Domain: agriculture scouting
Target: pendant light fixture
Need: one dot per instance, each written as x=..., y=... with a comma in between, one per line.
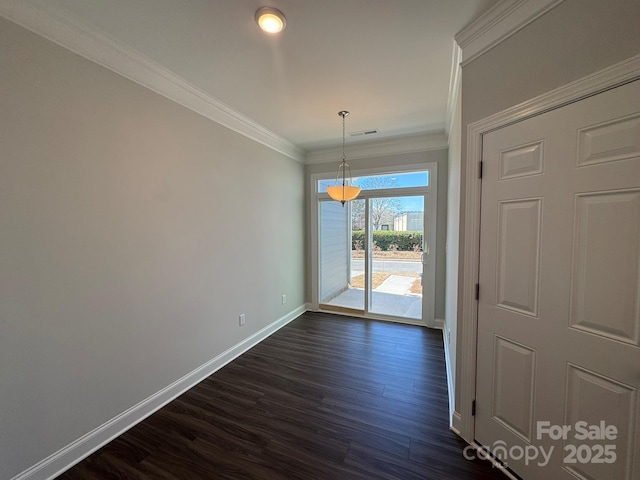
x=345, y=192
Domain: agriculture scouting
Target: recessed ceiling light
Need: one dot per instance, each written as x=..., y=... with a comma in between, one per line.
x=271, y=20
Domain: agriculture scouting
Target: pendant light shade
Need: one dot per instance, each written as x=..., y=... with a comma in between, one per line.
x=343, y=193
x=346, y=191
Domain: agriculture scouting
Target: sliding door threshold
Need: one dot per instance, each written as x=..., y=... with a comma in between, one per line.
x=354, y=312
x=339, y=309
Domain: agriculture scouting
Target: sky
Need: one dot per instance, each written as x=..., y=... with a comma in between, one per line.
x=398, y=180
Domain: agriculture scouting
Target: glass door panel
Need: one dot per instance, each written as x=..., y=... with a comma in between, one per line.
x=341, y=275
x=395, y=247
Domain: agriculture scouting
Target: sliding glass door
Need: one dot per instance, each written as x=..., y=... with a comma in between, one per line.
x=395, y=247
x=374, y=256
x=337, y=271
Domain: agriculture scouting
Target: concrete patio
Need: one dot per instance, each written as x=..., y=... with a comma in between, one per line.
x=392, y=297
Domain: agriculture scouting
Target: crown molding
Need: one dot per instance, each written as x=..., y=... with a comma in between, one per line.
x=498, y=24
x=454, y=88
x=84, y=39
x=393, y=146
x=494, y=26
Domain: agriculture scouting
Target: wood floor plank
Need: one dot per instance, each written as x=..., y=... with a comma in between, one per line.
x=325, y=397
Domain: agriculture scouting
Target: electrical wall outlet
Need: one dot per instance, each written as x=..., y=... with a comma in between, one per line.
x=284, y=299
x=241, y=319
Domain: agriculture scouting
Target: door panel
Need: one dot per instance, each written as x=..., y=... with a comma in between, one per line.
x=519, y=255
x=559, y=308
x=336, y=266
x=607, y=239
x=397, y=272
x=368, y=274
x=594, y=398
x=618, y=139
x=335, y=250
x=514, y=372
x=521, y=161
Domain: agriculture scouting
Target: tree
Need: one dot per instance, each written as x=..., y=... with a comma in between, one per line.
x=383, y=209
x=357, y=214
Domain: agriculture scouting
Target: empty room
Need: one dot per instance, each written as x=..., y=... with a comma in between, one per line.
x=348, y=239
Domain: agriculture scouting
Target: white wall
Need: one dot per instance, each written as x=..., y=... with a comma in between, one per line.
x=571, y=41
x=453, y=237
x=132, y=234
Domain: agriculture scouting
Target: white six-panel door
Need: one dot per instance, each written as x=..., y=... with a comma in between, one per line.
x=559, y=305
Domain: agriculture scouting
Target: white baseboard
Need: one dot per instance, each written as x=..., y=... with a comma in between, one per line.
x=456, y=424
x=439, y=323
x=495, y=463
x=84, y=446
x=447, y=361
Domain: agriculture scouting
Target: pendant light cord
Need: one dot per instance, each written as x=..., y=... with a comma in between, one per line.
x=349, y=192
x=343, y=165
x=343, y=157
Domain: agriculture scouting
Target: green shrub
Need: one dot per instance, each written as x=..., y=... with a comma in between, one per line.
x=405, y=241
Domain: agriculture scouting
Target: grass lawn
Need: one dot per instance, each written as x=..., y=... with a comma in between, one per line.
x=389, y=255
x=379, y=277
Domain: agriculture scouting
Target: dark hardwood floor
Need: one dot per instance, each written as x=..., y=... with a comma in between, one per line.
x=325, y=397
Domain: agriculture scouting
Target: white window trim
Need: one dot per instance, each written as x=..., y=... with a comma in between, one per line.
x=431, y=211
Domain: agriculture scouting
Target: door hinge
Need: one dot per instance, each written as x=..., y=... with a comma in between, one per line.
x=477, y=291
x=481, y=163
x=473, y=408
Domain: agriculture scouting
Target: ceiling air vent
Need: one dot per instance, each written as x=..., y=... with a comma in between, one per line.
x=364, y=132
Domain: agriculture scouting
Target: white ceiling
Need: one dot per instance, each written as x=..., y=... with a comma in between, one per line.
x=386, y=61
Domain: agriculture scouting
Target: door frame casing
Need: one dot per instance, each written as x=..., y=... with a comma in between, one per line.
x=606, y=79
x=431, y=210
x=429, y=238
